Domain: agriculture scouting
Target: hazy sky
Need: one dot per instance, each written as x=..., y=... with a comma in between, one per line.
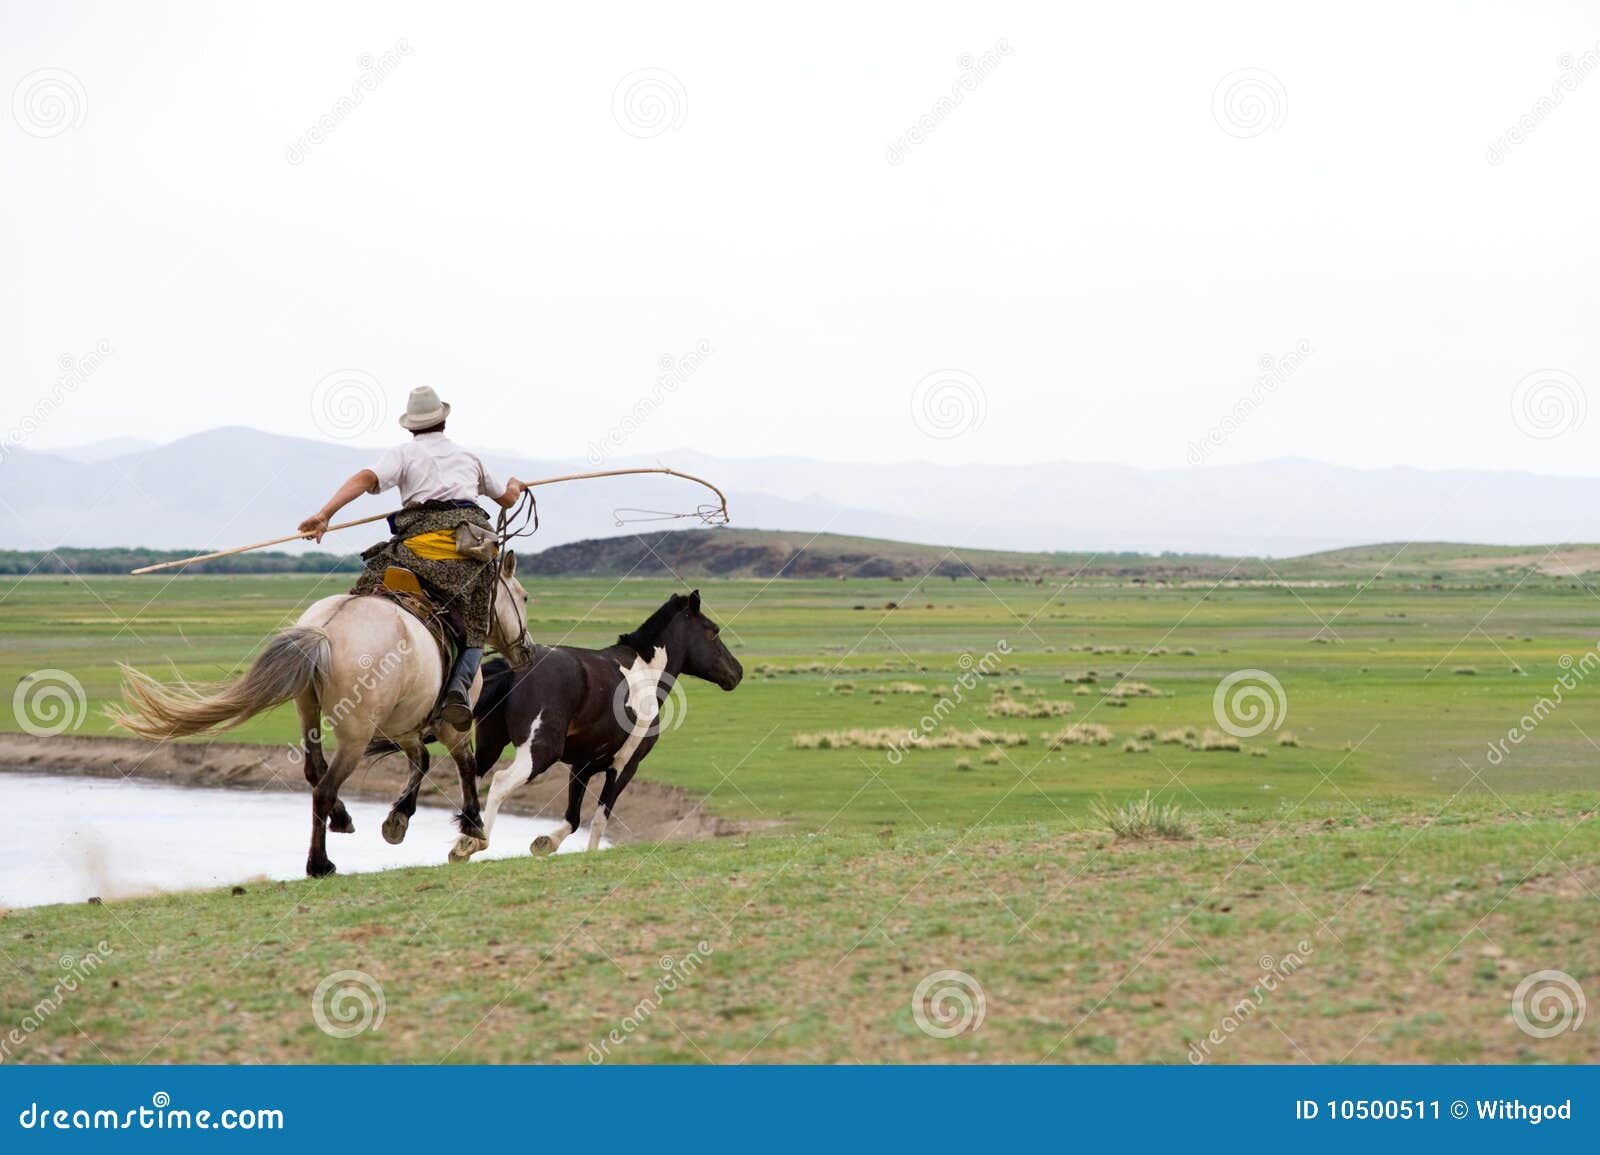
x=1111, y=220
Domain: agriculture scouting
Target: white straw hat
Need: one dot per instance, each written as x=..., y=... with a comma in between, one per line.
x=423, y=408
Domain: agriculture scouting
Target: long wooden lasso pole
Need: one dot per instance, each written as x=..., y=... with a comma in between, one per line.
x=716, y=516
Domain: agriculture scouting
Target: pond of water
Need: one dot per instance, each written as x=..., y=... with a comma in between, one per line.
x=67, y=839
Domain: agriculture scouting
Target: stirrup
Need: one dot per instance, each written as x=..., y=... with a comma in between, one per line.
x=445, y=708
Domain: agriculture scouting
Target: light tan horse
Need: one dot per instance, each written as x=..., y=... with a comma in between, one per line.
x=367, y=666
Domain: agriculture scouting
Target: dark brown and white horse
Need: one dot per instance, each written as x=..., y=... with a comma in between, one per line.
x=590, y=711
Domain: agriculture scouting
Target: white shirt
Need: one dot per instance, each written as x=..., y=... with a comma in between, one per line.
x=431, y=467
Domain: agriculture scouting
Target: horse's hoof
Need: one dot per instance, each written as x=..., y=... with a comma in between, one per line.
x=341, y=824
x=466, y=846
x=394, y=827
x=544, y=844
x=321, y=869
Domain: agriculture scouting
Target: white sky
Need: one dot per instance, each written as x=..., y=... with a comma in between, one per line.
x=1080, y=235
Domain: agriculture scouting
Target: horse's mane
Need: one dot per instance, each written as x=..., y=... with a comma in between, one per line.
x=645, y=638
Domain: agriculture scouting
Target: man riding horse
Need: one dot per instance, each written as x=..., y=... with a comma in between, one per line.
x=442, y=535
x=597, y=710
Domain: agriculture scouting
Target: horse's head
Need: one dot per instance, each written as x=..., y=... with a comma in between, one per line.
x=698, y=638
x=508, y=631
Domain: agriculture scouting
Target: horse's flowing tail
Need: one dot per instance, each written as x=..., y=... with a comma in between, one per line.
x=295, y=660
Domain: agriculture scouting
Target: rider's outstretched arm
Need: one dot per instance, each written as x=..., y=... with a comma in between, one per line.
x=365, y=481
x=514, y=491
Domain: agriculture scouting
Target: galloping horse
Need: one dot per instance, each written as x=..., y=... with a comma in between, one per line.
x=596, y=711
x=364, y=663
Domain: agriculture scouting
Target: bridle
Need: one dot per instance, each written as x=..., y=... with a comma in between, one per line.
x=522, y=520
x=511, y=524
x=522, y=644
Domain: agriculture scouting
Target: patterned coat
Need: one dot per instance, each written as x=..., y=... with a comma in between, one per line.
x=458, y=583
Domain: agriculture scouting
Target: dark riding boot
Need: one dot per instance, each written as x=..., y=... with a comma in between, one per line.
x=456, y=710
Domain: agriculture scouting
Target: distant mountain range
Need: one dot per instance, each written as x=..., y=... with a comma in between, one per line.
x=234, y=485
x=694, y=554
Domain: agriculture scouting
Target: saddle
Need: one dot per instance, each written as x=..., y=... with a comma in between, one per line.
x=444, y=625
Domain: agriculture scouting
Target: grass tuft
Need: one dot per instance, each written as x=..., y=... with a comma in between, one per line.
x=1080, y=734
x=1143, y=818
x=1006, y=707
x=889, y=739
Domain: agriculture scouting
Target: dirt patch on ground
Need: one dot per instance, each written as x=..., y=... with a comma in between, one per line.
x=647, y=812
x=1552, y=563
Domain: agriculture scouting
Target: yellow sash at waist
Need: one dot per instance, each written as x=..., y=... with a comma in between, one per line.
x=439, y=545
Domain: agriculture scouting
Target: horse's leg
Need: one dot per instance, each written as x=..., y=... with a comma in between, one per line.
x=490, y=737
x=324, y=797
x=310, y=711
x=394, y=826
x=484, y=752
x=532, y=759
x=602, y=813
x=474, y=837
x=577, y=782
x=614, y=786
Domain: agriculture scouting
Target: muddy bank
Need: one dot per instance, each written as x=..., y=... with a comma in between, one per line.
x=647, y=812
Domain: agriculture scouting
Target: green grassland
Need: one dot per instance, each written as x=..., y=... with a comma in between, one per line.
x=1371, y=679
x=1425, y=877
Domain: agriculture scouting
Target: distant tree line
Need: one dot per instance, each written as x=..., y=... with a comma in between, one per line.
x=115, y=561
